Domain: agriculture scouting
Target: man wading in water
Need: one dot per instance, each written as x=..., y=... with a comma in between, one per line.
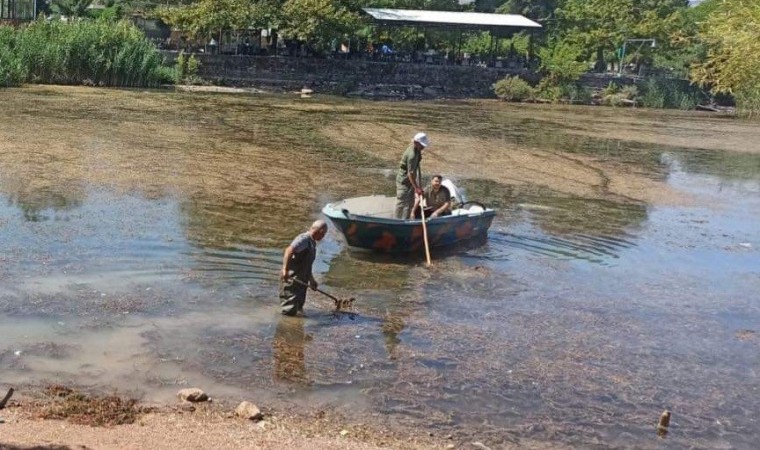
x=296, y=268
x=408, y=178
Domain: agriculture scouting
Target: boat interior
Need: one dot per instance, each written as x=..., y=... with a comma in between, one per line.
x=385, y=207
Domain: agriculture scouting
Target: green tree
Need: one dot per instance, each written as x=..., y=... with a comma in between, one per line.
x=206, y=17
x=487, y=6
x=560, y=63
x=71, y=8
x=731, y=34
x=602, y=26
x=437, y=5
x=541, y=10
x=318, y=22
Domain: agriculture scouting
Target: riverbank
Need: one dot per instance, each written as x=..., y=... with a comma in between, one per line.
x=184, y=425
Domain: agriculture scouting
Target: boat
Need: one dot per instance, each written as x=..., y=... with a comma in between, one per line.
x=369, y=223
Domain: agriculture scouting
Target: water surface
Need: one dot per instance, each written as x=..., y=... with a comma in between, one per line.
x=141, y=237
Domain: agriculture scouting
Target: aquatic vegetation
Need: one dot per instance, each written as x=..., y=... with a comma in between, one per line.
x=156, y=220
x=12, y=72
x=100, y=53
x=64, y=403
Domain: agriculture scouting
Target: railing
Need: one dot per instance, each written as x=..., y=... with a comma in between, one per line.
x=15, y=11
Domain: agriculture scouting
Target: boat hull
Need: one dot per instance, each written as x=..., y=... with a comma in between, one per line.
x=402, y=236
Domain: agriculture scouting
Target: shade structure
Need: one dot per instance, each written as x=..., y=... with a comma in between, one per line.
x=451, y=19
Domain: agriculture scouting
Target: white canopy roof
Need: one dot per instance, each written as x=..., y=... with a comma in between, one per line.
x=469, y=19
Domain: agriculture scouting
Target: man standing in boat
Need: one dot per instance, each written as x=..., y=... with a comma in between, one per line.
x=409, y=176
x=437, y=199
x=295, y=275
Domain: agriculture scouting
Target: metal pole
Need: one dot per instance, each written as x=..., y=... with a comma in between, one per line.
x=622, y=58
x=459, y=47
x=490, y=46
x=495, y=50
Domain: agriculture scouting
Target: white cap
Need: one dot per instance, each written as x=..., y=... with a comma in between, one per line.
x=422, y=139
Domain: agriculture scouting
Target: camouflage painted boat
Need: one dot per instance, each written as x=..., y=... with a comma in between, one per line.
x=368, y=222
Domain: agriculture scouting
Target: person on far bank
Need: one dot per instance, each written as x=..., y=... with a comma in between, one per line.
x=409, y=177
x=295, y=275
x=437, y=200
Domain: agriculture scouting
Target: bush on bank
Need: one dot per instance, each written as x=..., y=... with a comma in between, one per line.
x=513, y=89
x=650, y=93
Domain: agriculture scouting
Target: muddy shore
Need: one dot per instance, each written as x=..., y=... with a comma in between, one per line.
x=40, y=418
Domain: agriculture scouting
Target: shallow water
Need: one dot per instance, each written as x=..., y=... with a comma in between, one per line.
x=577, y=322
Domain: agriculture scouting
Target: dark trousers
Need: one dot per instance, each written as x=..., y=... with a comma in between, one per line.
x=292, y=297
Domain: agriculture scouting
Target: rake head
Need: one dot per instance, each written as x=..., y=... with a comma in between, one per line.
x=344, y=303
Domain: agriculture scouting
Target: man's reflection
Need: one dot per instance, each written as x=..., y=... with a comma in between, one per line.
x=393, y=325
x=289, y=347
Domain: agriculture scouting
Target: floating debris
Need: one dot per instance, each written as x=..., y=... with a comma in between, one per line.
x=664, y=423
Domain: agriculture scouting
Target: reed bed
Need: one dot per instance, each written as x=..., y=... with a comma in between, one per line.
x=100, y=53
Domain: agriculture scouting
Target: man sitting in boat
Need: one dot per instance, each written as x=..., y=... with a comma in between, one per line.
x=437, y=199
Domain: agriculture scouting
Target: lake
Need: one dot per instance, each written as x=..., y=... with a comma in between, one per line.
x=141, y=233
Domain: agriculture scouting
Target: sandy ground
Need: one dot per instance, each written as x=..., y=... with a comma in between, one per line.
x=210, y=426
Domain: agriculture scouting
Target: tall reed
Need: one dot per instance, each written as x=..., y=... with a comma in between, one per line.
x=98, y=52
x=12, y=72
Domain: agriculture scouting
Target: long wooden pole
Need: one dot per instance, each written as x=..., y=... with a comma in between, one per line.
x=424, y=231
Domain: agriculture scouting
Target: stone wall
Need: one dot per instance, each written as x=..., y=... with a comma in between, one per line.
x=353, y=77
x=598, y=81
x=366, y=78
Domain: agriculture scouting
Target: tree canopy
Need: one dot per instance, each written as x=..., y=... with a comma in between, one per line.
x=715, y=43
x=731, y=33
x=71, y=8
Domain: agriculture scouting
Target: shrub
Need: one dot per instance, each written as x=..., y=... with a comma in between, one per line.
x=688, y=101
x=653, y=94
x=567, y=92
x=549, y=91
x=616, y=95
x=193, y=66
x=577, y=93
x=630, y=92
x=513, y=89
x=669, y=93
x=612, y=88
x=166, y=75
x=186, y=69
x=180, y=68
x=618, y=99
